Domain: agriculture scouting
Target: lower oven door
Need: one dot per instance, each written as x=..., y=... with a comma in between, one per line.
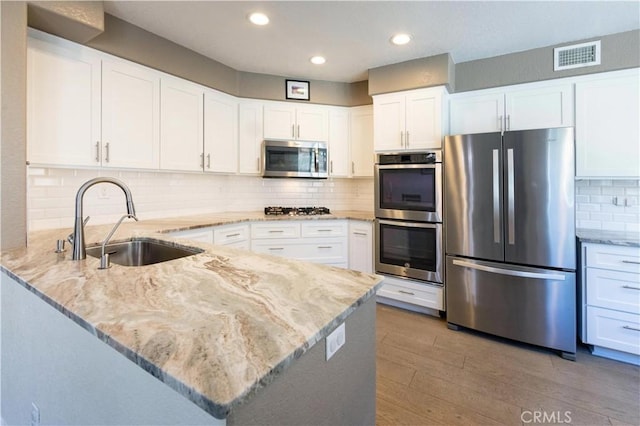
x=409, y=249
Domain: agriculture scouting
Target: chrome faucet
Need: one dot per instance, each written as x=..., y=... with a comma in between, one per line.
x=79, y=248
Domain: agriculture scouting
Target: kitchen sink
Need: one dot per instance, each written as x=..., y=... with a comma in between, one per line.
x=142, y=251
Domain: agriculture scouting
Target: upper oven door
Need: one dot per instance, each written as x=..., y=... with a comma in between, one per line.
x=408, y=192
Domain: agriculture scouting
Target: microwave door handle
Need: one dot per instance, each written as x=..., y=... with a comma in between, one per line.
x=316, y=159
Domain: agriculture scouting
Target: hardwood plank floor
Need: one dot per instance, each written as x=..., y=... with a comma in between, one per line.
x=428, y=374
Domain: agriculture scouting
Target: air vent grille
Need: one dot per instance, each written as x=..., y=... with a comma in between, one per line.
x=576, y=56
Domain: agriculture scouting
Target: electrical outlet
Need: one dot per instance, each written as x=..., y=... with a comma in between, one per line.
x=104, y=193
x=335, y=340
x=35, y=415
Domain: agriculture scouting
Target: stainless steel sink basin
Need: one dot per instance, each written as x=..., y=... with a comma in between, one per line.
x=143, y=251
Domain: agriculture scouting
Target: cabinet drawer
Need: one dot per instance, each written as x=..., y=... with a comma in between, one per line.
x=275, y=230
x=244, y=245
x=613, y=329
x=410, y=292
x=619, y=258
x=613, y=290
x=204, y=235
x=324, y=228
x=230, y=234
x=284, y=247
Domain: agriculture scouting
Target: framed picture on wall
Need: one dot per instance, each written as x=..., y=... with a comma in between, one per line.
x=296, y=89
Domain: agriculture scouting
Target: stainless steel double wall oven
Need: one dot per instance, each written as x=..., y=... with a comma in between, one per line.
x=408, y=209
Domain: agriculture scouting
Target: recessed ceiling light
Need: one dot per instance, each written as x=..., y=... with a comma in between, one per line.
x=259, y=18
x=318, y=60
x=400, y=39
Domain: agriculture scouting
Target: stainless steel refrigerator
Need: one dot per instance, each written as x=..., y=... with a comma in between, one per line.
x=510, y=235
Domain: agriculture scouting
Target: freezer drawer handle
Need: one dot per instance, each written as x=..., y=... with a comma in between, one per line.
x=631, y=261
x=630, y=328
x=406, y=292
x=631, y=287
x=521, y=274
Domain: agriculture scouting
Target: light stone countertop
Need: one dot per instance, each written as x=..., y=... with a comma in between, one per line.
x=217, y=326
x=617, y=238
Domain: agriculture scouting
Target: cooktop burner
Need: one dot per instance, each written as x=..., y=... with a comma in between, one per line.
x=296, y=211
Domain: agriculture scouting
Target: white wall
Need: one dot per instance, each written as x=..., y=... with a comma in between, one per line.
x=51, y=194
x=595, y=208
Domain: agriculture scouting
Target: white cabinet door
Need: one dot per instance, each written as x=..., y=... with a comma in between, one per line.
x=539, y=107
x=250, y=137
x=473, y=113
x=607, y=131
x=389, y=122
x=181, y=125
x=423, y=119
x=312, y=123
x=130, y=116
x=279, y=121
x=339, y=142
x=362, y=157
x=63, y=103
x=220, y=133
x=361, y=246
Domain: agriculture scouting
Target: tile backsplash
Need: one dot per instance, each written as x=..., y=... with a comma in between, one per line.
x=51, y=194
x=610, y=205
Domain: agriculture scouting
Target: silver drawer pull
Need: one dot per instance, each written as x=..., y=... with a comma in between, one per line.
x=275, y=231
x=631, y=287
x=325, y=247
x=233, y=235
x=276, y=248
x=360, y=233
x=325, y=230
x=628, y=327
x=406, y=292
x=631, y=261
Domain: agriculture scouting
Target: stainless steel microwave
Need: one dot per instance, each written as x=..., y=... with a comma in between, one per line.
x=294, y=159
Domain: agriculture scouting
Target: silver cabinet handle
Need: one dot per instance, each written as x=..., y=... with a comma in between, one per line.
x=406, y=292
x=496, y=196
x=97, y=152
x=298, y=131
x=325, y=247
x=627, y=327
x=407, y=139
x=232, y=235
x=401, y=138
x=106, y=150
x=631, y=287
x=274, y=231
x=276, y=248
x=202, y=160
x=633, y=262
x=360, y=233
x=353, y=168
x=331, y=166
x=500, y=122
x=258, y=164
x=508, y=121
x=513, y=273
x=293, y=131
x=511, y=197
x=208, y=161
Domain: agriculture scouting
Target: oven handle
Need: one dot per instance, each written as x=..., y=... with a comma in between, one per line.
x=409, y=224
x=502, y=271
x=408, y=166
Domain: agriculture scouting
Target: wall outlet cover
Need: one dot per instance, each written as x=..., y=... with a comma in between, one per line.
x=335, y=340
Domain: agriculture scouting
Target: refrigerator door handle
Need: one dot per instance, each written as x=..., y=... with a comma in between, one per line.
x=496, y=196
x=511, y=272
x=510, y=198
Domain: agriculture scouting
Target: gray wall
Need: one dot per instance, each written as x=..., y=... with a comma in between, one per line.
x=424, y=72
x=619, y=51
x=13, y=137
x=78, y=21
x=313, y=391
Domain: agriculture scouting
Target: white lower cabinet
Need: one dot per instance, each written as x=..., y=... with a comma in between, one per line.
x=611, y=300
x=203, y=235
x=314, y=241
x=410, y=294
x=235, y=235
x=361, y=246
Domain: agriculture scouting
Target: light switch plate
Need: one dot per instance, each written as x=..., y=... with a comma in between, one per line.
x=335, y=340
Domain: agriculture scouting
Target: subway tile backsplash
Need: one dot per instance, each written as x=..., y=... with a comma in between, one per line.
x=610, y=205
x=51, y=194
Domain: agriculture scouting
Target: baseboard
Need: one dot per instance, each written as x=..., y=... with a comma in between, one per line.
x=616, y=355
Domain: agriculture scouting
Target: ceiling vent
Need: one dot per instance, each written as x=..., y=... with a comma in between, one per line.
x=576, y=56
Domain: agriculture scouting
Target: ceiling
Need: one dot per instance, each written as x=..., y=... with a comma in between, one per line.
x=354, y=35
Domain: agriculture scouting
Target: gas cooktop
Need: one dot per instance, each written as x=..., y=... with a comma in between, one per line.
x=296, y=211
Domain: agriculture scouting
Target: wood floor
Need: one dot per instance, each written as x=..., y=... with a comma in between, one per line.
x=428, y=374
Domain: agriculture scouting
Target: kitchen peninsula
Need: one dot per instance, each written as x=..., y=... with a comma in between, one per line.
x=238, y=334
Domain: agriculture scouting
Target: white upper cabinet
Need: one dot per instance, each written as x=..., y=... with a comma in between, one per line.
x=63, y=103
x=362, y=157
x=181, y=125
x=130, y=115
x=527, y=106
x=288, y=121
x=607, y=130
x=220, y=132
x=411, y=120
x=250, y=137
x=339, y=163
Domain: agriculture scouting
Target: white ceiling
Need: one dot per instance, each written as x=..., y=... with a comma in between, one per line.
x=354, y=35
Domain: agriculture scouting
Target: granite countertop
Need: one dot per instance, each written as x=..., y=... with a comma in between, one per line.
x=619, y=238
x=217, y=326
